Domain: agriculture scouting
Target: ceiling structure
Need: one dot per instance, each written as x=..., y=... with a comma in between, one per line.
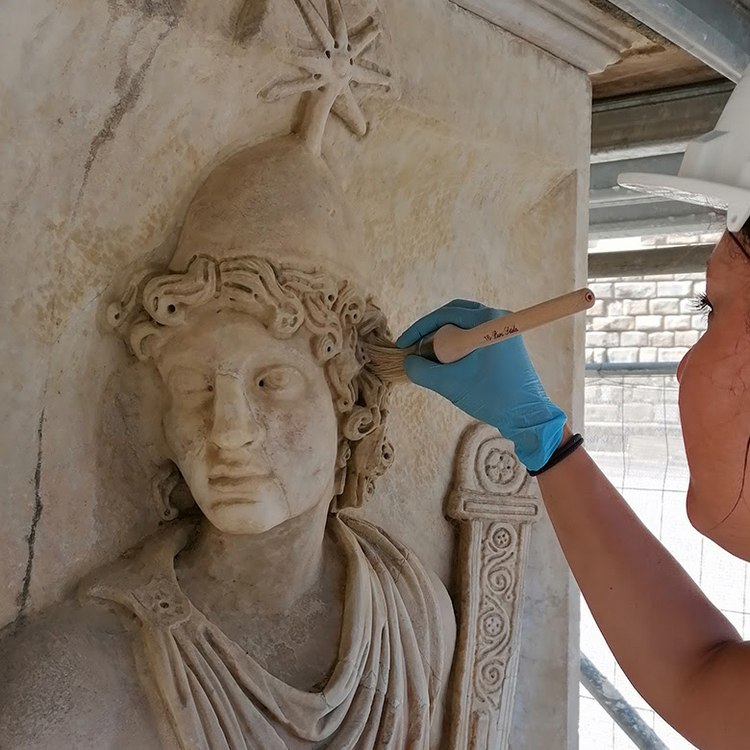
x=652, y=63
x=656, y=66
x=661, y=73
x=653, y=101
x=649, y=133
x=716, y=32
x=632, y=46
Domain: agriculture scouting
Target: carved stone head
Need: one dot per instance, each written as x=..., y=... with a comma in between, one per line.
x=256, y=330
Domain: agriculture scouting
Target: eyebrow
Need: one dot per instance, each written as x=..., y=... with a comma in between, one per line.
x=739, y=245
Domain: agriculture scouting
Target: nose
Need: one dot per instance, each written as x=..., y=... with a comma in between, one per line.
x=681, y=366
x=234, y=423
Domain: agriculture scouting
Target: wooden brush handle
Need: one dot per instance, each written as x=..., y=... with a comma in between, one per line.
x=452, y=343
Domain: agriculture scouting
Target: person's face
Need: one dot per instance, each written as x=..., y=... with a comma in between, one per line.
x=250, y=420
x=714, y=381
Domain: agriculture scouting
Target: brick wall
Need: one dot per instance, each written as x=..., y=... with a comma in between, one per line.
x=644, y=318
x=633, y=419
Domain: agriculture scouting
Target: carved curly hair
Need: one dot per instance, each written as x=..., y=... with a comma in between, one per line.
x=284, y=299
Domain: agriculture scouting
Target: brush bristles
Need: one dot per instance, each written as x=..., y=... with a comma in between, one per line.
x=387, y=361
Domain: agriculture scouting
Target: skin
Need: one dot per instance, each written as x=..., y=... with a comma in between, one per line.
x=715, y=405
x=680, y=652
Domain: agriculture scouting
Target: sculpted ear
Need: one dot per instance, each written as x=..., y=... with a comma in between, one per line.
x=171, y=494
x=371, y=456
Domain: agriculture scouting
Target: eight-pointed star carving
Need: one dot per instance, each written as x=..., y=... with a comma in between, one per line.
x=330, y=67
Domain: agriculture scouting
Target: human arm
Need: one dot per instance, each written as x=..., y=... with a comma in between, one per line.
x=680, y=652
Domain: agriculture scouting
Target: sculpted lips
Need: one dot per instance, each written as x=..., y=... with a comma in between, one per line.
x=228, y=478
x=229, y=483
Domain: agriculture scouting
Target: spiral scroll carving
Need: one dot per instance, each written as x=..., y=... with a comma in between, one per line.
x=495, y=502
x=498, y=576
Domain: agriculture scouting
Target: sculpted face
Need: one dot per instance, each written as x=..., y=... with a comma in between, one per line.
x=250, y=420
x=715, y=405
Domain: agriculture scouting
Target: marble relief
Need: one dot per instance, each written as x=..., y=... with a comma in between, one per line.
x=265, y=613
x=495, y=503
x=269, y=616
x=277, y=425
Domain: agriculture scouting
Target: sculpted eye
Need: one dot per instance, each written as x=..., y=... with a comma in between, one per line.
x=185, y=382
x=281, y=380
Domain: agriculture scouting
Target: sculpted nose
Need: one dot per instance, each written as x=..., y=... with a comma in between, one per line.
x=234, y=423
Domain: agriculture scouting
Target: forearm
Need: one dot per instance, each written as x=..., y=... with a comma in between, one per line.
x=660, y=626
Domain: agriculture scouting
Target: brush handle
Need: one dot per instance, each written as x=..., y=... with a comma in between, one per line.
x=451, y=343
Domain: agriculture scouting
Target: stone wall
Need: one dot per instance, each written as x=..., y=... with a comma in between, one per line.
x=639, y=319
x=644, y=318
x=634, y=419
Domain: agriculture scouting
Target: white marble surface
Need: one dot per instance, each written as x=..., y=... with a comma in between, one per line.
x=472, y=184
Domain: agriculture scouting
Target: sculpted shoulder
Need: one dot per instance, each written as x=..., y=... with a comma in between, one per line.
x=69, y=681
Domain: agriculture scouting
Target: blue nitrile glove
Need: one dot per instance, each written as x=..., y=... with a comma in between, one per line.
x=496, y=384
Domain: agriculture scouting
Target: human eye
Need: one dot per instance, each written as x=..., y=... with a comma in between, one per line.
x=281, y=380
x=701, y=303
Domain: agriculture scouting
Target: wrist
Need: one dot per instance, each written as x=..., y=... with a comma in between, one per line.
x=536, y=434
x=566, y=435
x=565, y=449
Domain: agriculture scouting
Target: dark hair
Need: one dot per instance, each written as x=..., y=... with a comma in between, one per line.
x=743, y=237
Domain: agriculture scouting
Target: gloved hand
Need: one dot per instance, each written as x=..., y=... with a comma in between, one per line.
x=496, y=384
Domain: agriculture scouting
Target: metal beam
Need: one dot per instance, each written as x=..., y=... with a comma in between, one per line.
x=618, y=212
x=715, y=31
x=625, y=716
x=661, y=122
x=604, y=174
x=630, y=369
x=660, y=260
x=664, y=220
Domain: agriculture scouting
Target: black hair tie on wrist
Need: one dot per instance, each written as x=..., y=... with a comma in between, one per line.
x=562, y=452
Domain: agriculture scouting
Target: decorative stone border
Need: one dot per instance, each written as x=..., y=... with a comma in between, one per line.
x=494, y=502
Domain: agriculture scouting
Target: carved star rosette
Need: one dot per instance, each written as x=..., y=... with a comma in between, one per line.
x=335, y=59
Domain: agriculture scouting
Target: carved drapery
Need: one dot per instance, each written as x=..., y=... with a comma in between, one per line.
x=494, y=502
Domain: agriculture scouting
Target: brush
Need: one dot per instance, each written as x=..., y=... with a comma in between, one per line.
x=451, y=343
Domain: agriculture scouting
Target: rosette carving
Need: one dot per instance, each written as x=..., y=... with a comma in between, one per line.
x=494, y=501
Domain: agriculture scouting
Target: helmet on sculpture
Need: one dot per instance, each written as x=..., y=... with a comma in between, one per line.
x=716, y=169
x=276, y=200
x=270, y=233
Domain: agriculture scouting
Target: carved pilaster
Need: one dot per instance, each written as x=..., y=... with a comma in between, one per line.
x=494, y=502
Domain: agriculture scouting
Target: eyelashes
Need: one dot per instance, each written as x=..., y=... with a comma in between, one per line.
x=701, y=303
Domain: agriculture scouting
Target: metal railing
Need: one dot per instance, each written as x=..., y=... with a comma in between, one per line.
x=634, y=369
x=623, y=714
